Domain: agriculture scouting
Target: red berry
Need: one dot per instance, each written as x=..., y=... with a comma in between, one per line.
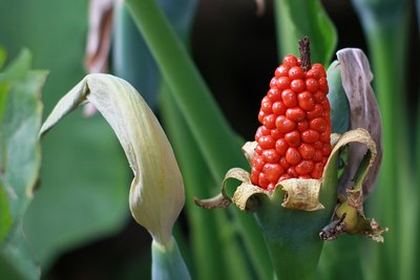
x=310, y=136
x=282, y=70
x=318, y=145
x=270, y=156
x=281, y=146
x=311, y=85
x=274, y=94
x=312, y=73
x=318, y=155
x=325, y=137
x=302, y=125
x=276, y=134
x=279, y=108
x=261, y=116
x=285, y=125
x=306, y=101
x=296, y=73
x=292, y=172
x=292, y=156
x=266, y=142
x=290, y=60
x=273, y=82
x=317, y=172
x=307, y=151
x=320, y=68
x=270, y=121
x=284, y=163
x=272, y=171
x=266, y=105
x=254, y=176
x=292, y=138
x=319, y=96
x=289, y=98
x=295, y=114
x=323, y=85
x=326, y=150
x=318, y=124
x=263, y=180
x=316, y=112
x=258, y=162
x=297, y=85
x=282, y=83
x=304, y=167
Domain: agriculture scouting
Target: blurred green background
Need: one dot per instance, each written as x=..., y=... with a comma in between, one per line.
x=79, y=225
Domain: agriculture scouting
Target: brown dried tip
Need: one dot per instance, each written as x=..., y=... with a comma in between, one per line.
x=305, y=53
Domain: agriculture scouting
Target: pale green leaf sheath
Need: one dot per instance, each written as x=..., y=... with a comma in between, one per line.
x=157, y=192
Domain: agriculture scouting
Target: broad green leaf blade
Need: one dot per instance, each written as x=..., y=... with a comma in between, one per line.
x=215, y=246
x=156, y=193
x=3, y=57
x=386, y=28
x=20, y=158
x=5, y=216
x=217, y=142
x=297, y=18
x=101, y=171
x=132, y=59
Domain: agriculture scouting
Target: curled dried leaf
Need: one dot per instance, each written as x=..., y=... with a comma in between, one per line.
x=356, y=80
x=301, y=194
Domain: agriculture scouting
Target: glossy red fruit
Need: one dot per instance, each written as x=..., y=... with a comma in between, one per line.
x=294, y=138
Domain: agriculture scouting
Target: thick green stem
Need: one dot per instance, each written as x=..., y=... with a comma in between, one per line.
x=217, y=141
x=292, y=236
x=167, y=262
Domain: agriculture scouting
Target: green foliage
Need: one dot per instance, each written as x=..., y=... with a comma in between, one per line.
x=340, y=115
x=216, y=140
x=67, y=213
x=297, y=18
x=386, y=29
x=20, y=160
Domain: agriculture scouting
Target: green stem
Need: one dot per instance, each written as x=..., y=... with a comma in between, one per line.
x=167, y=262
x=216, y=140
x=292, y=236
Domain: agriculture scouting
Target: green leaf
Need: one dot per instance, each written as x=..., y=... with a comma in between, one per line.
x=217, y=141
x=66, y=214
x=340, y=115
x=157, y=190
x=297, y=18
x=20, y=158
x=3, y=57
x=131, y=57
x=216, y=251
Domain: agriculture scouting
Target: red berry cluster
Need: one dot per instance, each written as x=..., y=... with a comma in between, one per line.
x=294, y=138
